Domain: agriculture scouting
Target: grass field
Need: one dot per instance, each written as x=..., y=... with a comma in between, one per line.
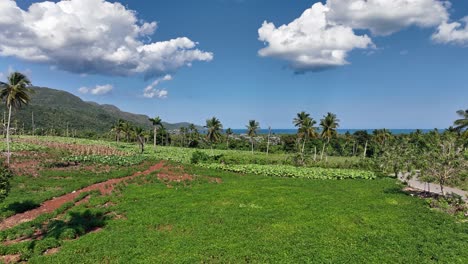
x=241, y=218
x=261, y=219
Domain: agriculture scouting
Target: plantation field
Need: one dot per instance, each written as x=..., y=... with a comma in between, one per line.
x=261, y=219
x=230, y=207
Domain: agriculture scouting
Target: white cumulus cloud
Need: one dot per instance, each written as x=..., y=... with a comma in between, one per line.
x=98, y=90
x=312, y=41
x=324, y=34
x=91, y=37
x=151, y=90
x=454, y=33
x=384, y=17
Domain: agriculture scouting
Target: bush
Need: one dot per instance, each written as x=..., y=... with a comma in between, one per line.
x=198, y=157
x=5, y=176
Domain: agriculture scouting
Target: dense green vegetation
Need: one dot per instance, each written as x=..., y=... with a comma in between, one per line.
x=262, y=219
x=54, y=112
x=316, y=196
x=283, y=219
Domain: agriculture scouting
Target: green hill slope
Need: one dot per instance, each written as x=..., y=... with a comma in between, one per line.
x=54, y=109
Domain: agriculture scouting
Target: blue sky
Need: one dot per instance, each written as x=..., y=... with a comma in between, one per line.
x=405, y=80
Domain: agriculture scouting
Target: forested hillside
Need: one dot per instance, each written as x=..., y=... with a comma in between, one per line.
x=54, y=109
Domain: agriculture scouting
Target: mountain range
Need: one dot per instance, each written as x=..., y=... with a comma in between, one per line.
x=57, y=109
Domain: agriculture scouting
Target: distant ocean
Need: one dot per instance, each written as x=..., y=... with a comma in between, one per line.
x=340, y=131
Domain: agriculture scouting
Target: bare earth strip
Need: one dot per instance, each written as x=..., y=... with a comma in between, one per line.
x=55, y=203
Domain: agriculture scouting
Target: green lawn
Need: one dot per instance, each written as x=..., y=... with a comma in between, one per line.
x=260, y=219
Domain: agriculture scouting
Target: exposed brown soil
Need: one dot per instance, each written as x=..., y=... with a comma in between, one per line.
x=27, y=167
x=171, y=174
x=52, y=251
x=15, y=258
x=51, y=205
x=84, y=200
x=76, y=149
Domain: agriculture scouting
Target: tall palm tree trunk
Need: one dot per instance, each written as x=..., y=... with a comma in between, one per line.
x=8, y=135
x=365, y=151
x=268, y=143
x=155, y=133
x=251, y=141
x=323, y=150
x=303, y=145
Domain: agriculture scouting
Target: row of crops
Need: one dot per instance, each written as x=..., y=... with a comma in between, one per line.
x=292, y=171
x=276, y=165
x=246, y=163
x=111, y=160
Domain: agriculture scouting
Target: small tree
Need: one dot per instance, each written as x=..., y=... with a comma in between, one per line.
x=5, y=176
x=445, y=162
x=140, y=135
x=398, y=156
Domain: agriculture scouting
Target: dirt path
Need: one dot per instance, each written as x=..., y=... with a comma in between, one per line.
x=431, y=187
x=51, y=205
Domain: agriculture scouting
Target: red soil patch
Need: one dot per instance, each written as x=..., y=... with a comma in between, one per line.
x=51, y=205
x=11, y=258
x=167, y=177
x=84, y=200
x=29, y=167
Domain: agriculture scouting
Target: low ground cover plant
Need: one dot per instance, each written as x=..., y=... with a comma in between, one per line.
x=111, y=160
x=293, y=172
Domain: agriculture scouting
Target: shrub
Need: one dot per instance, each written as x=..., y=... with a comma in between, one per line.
x=202, y=157
x=198, y=157
x=5, y=176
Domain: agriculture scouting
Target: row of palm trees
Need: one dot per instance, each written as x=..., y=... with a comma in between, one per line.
x=16, y=92
x=306, y=129
x=303, y=121
x=214, y=128
x=129, y=131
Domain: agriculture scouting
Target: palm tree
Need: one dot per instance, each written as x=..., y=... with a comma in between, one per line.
x=15, y=93
x=127, y=129
x=117, y=128
x=140, y=135
x=228, y=134
x=348, y=139
x=305, y=125
x=252, y=128
x=157, y=122
x=301, y=117
x=214, y=127
x=191, y=129
x=462, y=123
x=381, y=136
x=329, y=124
x=164, y=136
x=194, y=134
x=183, y=131
x=307, y=130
